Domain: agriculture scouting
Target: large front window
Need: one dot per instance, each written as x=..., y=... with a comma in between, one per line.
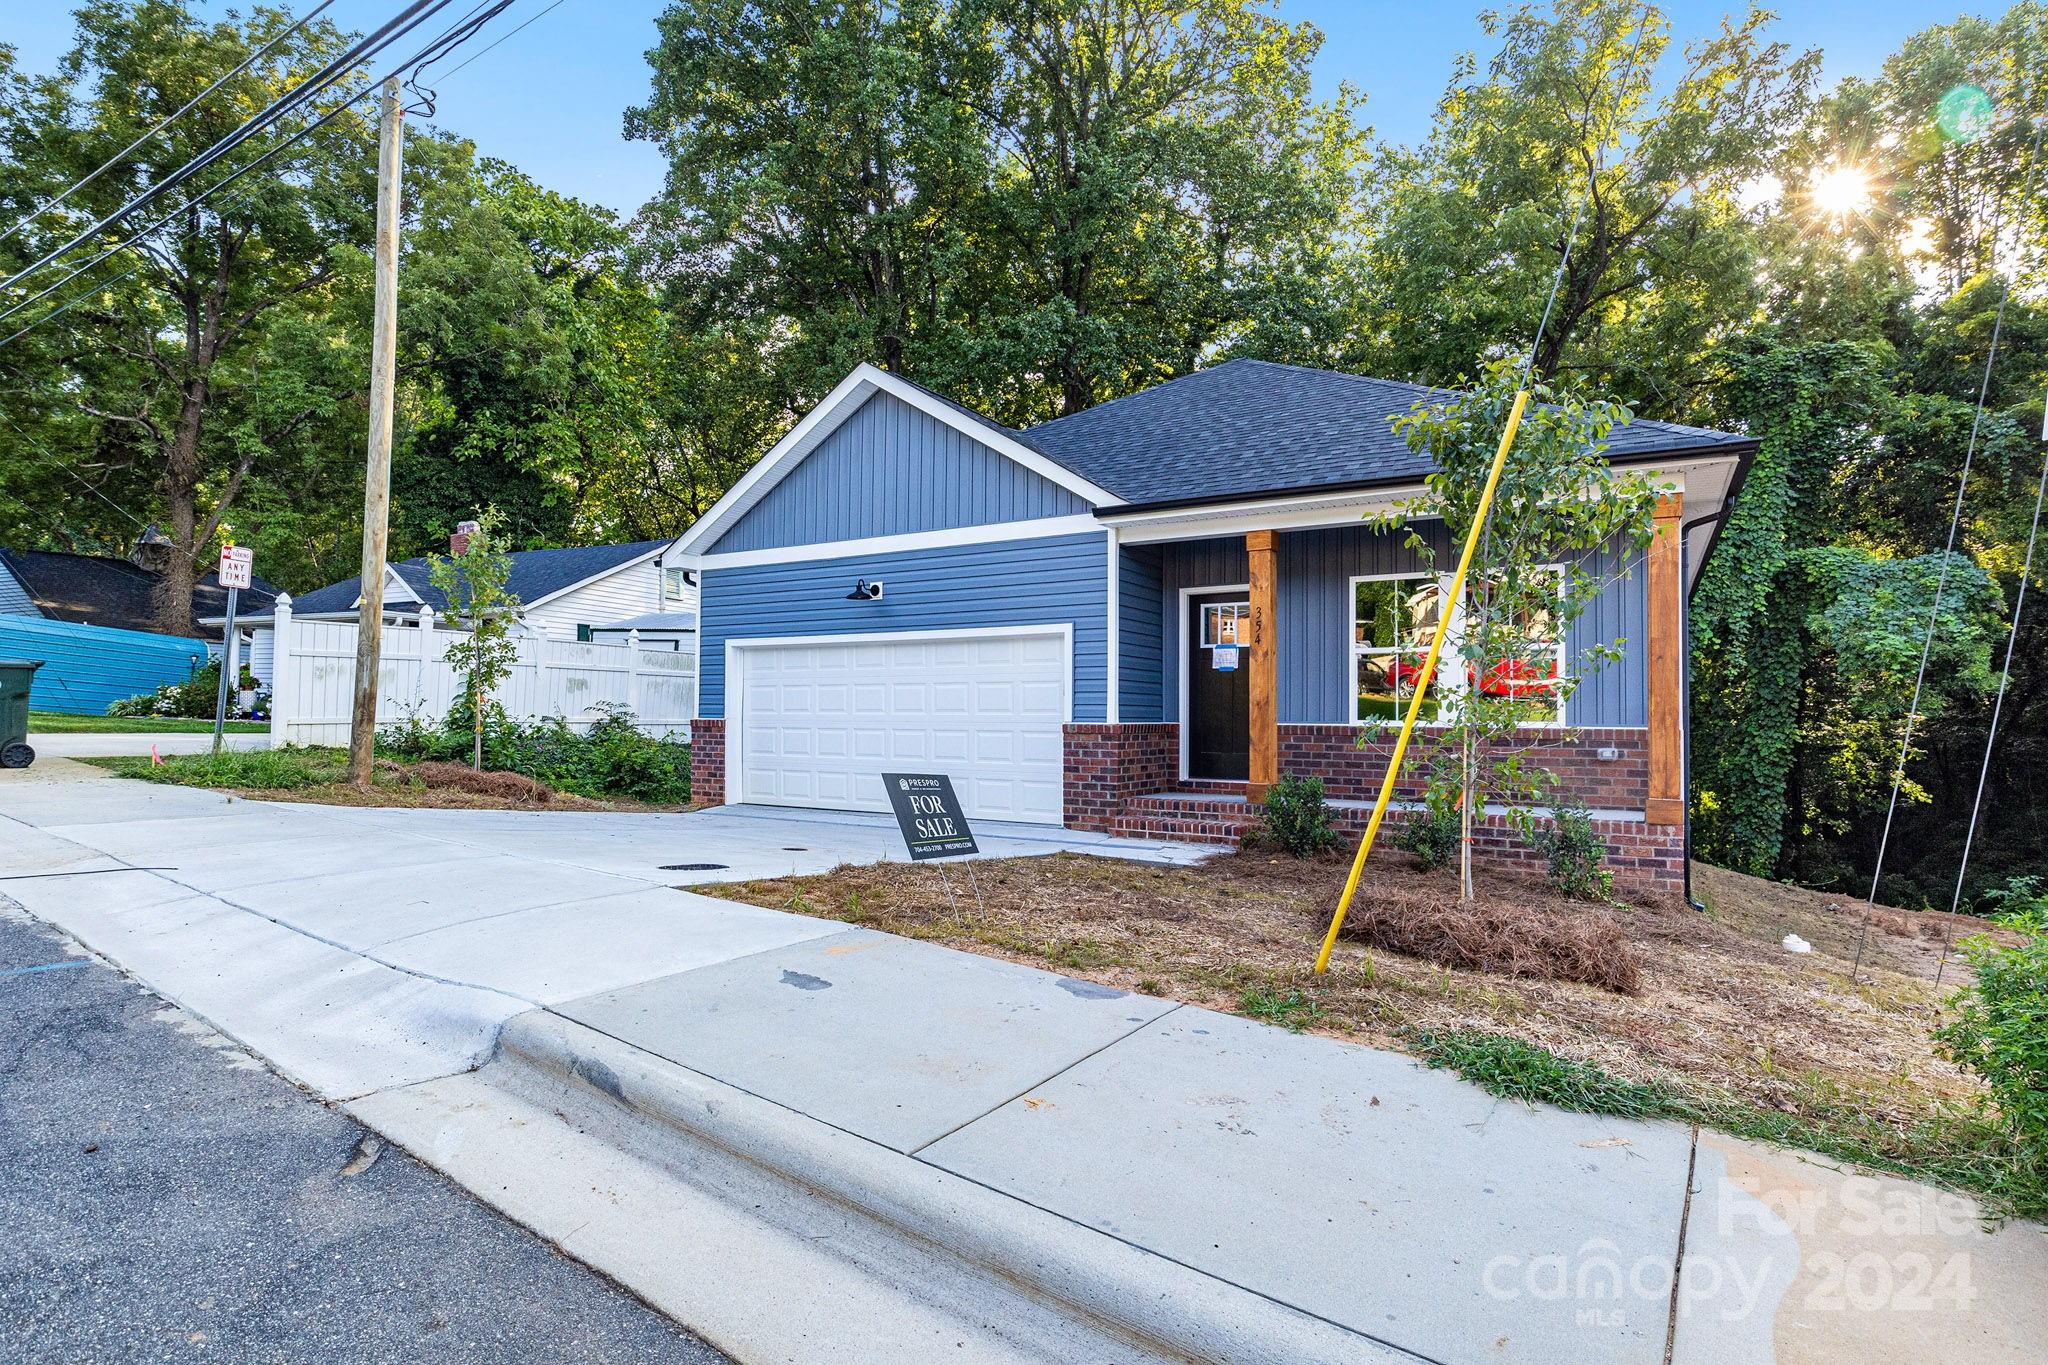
x=1392, y=622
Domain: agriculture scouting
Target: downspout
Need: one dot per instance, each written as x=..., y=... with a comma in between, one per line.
x=1685, y=684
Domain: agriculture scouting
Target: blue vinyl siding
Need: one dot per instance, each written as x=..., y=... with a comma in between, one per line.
x=888, y=470
x=1315, y=624
x=14, y=598
x=86, y=667
x=1053, y=581
x=1139, y=638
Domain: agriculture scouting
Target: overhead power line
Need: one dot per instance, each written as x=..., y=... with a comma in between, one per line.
x=448, y=40
x=364, y=49
x=258, y=55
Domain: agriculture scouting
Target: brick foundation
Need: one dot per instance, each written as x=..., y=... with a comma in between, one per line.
x=1122, y=779
x=707, y=762
x=1106, y=765
x=1350, y=773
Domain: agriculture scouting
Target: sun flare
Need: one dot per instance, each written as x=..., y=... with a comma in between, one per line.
x=1841, y=190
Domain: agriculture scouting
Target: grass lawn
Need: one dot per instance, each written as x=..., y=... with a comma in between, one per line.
x=60, y=723
x=1721, y=1025
x=320, y=775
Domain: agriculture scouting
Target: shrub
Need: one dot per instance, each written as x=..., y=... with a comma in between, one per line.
x=612, y=759
x=1573, y=852
x=2020, y=904
x=1297, y=818
x=192, y=699
x=1432, y=833
x=1999, y=1030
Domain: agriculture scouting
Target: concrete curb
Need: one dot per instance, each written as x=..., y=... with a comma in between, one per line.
x=1158, y=1304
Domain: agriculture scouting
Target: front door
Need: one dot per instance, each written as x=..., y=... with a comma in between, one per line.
x=1219, y=635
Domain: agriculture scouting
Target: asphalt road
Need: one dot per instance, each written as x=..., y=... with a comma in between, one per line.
x=165, y=1197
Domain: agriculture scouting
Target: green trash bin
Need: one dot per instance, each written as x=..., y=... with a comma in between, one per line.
x=16, y=676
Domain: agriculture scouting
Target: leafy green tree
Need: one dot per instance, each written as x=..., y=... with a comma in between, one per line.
x=201, y=368
x=477, y=584
x=1568, y=116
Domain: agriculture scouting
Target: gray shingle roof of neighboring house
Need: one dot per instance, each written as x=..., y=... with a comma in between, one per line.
x=535, y=574
x=98, y=590
x=1251, y=428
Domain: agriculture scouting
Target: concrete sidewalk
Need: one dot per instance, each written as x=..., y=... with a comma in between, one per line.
x=955, y=1152
x=86, y=744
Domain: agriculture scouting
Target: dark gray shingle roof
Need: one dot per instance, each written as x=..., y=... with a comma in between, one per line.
x=98, y=590
x=535, y=574
x=1248, y=428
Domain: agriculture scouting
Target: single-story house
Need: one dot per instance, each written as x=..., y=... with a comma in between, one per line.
x=91, y=621
x=99, y=590
x=1133, y=619
x=567, y=594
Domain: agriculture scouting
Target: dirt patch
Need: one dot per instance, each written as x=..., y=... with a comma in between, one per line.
x=1716, y=1002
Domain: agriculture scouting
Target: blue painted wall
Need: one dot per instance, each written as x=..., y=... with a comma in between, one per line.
x=1140, y=634
x=1315, y=624
x=890, y=469
x=1059, y=579
x=87, y=667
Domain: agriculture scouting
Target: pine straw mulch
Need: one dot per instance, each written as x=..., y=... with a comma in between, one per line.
x=1708, y=1002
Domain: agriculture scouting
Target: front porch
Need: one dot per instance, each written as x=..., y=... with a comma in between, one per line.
x=1241, y=658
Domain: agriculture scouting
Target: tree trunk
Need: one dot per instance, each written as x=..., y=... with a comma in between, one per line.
x=181, y=505
x=476, y=708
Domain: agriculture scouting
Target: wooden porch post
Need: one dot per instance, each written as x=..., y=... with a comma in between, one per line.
x=1665, y=655
x=1265, y=666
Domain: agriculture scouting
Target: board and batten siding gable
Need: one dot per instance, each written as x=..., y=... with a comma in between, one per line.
x=1315, y=627
x=1055, y=580
x=890, y=469
x=628, y=591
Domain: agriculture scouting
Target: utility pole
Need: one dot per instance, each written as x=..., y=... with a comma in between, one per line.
x=362, y=732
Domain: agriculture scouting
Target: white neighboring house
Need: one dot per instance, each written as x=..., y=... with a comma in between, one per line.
x=577, y=593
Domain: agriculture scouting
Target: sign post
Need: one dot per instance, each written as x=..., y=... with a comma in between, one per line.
x=235, y=574
x=933, y=825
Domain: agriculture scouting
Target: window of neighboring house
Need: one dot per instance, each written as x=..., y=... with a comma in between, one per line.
x=583, y=635
x=1392, y=620
x=675, y=585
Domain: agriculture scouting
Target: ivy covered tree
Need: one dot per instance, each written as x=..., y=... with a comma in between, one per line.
x=1805, y=651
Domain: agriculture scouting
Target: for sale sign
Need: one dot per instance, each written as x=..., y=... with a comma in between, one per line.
x=929, y=815
x=235, y=564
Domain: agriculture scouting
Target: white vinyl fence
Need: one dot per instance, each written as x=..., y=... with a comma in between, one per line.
x=313, y=680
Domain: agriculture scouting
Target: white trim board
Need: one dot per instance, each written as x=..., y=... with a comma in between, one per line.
x=735, y=690
x=1180, y=641
x=846, y=399
x=993, y=533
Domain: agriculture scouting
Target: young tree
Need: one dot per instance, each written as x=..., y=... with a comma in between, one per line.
x=1562, y=519
x=477, y=583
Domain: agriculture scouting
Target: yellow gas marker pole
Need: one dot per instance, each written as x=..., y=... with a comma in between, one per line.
x=1436, y=646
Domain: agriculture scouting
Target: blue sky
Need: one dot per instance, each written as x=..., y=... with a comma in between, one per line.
x=550, y=99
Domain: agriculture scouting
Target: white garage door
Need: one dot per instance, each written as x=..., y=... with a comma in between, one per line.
x=820, y=723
